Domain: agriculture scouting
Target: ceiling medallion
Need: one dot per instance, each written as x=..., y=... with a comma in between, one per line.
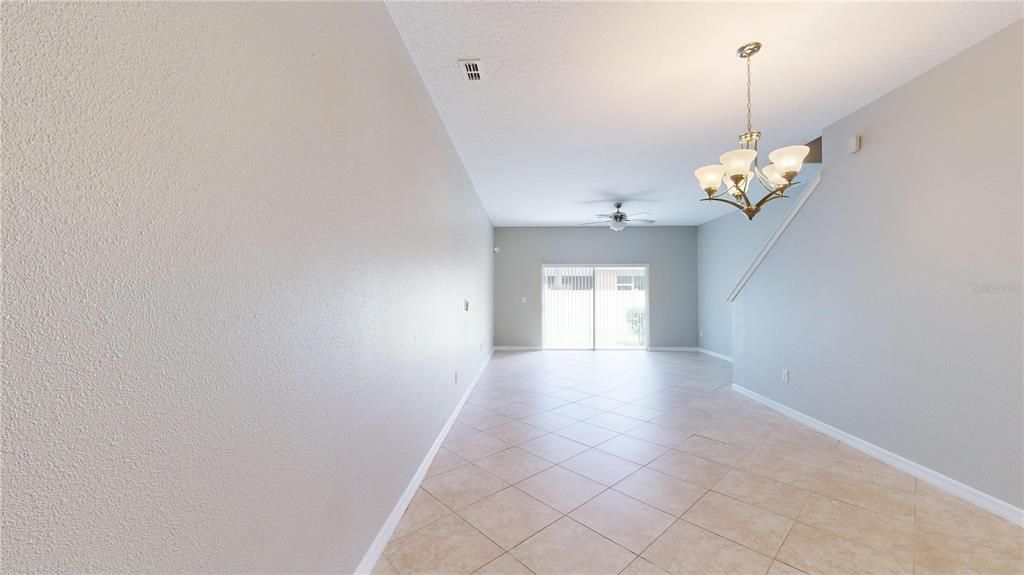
x=740, y=166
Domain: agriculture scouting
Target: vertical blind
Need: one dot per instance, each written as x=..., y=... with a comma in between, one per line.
x=567, y=310
x=594, y=307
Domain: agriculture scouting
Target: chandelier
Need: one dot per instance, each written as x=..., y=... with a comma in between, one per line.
x=739, y=167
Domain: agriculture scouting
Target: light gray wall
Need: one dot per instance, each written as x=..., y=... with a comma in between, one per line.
x=670, y=251
x=237, y=240
x=726, y=246
x=875, y=297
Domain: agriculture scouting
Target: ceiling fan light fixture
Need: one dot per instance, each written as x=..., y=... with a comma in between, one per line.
x=739, y=166
x=617, y=226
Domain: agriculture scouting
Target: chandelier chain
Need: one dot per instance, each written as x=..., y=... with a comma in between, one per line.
x=750, y=127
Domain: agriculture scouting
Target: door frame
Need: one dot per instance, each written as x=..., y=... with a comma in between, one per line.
x=593, y=340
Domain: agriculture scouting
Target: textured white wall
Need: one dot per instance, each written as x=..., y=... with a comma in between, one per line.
x=875, y=297
x=237, y=240
x=671, y=252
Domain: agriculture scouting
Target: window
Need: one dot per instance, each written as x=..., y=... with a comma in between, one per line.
x=570, y=282
x=628, y=283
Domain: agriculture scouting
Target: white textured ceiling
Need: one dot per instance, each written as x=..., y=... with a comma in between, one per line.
x=584, y=103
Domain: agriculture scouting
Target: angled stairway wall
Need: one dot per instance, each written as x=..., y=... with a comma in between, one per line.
x=894, y=298
x=726, y=246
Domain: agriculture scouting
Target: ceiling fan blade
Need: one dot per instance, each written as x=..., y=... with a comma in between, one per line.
x=642, y=221
x=607, y=197
x=595, y=224
x=643, y=195
x=640, y=214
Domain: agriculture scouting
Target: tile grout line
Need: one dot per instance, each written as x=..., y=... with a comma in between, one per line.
x=913, y=538
x=791, y=526
x=607, y=488
x=503, y=550
x=513, y=485
x=677, y=519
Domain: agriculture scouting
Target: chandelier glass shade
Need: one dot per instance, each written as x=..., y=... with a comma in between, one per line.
x=733, y=175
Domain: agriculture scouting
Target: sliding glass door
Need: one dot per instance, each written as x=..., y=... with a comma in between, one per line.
x=567, y=308
x=620, y=307
x=594, y=307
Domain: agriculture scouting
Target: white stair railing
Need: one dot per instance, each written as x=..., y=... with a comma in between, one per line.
x=800, y=201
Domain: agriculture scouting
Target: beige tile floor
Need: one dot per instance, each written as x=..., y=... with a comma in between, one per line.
x=647, y=463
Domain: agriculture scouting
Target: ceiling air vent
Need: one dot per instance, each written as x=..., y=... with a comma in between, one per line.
x=471, y=68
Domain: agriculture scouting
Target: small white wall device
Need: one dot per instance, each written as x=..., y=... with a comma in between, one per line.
x=853, y=144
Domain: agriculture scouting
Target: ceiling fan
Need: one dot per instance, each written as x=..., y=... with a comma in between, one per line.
x=617, y=220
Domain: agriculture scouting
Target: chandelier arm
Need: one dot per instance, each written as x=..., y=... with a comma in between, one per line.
x=729, y=202
x=780, y=191
x=773, y=193
x=770, y=197
x=743, y=194
x=765, y=182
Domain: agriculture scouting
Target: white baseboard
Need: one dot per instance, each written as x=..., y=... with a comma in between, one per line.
x=987, y=502
x=373, y=554
x=697, y=349
x=715, y=354
x=517, y=348
x=672, y=349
